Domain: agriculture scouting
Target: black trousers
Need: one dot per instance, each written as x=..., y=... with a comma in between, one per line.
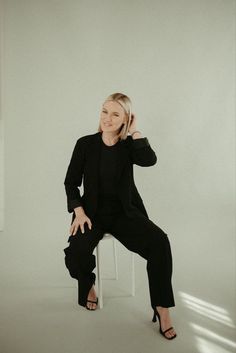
x=139, y=235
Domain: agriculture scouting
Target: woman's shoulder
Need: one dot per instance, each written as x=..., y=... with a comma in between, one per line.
x=87, y=138
x=127, y=140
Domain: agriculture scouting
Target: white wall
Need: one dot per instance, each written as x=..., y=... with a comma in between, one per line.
x=176, y=60
x=1, y=134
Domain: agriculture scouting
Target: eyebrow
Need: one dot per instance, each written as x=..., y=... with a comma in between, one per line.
x=113, y=112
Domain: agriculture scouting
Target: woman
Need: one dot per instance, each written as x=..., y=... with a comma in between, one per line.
x=111, y=203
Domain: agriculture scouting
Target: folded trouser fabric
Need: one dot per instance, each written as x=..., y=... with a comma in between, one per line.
x=138, y=234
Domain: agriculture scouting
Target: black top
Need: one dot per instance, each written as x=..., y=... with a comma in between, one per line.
x=109, y=201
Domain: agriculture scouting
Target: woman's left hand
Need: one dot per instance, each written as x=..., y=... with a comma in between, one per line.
x=133, y=123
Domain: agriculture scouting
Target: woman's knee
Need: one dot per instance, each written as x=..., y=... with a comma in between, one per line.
x=160, y=238
x=81, y=244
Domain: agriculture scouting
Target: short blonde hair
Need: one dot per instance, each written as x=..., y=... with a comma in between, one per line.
x=125, y=102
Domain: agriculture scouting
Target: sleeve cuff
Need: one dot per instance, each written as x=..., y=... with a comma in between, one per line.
x=73, y=204
x=140, y=142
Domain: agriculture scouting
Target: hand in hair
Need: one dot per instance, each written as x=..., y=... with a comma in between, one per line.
x=133, y=123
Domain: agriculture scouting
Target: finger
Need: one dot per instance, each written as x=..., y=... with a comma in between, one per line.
x=74, y=231
x=82, y=228
x=90, y=224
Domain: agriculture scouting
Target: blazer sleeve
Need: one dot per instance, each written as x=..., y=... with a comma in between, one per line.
x=141, y=152
x=74, y=176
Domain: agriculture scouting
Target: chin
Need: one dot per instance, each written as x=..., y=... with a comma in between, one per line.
x=108, y=128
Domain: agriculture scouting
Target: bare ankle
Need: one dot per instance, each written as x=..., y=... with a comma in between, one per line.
x=162, y=309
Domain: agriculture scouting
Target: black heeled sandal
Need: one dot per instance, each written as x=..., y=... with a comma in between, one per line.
x=154, y=319
x=91, y=301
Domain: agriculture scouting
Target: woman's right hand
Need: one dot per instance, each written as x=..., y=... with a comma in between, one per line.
x=79, y=221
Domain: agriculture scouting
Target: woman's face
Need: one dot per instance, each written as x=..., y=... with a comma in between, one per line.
x=112, y=116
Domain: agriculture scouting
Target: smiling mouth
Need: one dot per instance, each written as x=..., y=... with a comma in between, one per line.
x=107, y=124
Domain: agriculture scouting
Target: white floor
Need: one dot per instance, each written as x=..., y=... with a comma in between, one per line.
x=38, y=298
x=47, y=319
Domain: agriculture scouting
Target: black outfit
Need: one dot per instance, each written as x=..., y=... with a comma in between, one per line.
x=127, y=222
x=108, y=201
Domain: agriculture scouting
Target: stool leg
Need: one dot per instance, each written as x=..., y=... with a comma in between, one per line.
x=115, y=258
x=100, y=297
x=132, y=274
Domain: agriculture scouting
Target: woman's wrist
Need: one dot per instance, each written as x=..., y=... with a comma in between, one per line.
x=79, y=210
x=136, y=134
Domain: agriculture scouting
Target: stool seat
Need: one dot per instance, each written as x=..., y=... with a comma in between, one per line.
x=98, y=266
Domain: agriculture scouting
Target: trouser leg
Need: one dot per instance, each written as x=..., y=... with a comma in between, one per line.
x=144, y=237
x=80, y=261
x=159, y=269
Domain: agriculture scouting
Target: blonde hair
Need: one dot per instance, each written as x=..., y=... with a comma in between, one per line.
x=125, y=102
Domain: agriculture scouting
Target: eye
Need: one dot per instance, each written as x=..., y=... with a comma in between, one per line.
x=113, y=114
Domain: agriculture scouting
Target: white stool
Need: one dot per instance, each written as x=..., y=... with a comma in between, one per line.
x=99, y=275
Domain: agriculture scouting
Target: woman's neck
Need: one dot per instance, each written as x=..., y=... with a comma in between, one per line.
x=110, y=138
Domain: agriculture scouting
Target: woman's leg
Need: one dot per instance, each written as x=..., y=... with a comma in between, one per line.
x=79, y=258
x=144, y=237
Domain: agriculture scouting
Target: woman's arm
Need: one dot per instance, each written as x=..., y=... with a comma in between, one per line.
x=74, y=176
x=141, y=152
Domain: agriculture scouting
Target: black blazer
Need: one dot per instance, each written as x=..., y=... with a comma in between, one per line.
x=84, y=164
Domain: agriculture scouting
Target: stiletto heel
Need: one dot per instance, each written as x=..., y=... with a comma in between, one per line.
x=154, y=319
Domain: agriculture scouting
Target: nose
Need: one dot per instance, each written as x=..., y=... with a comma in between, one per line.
x=107, y=119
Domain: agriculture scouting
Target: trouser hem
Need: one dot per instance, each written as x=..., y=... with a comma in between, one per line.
x=84, y=286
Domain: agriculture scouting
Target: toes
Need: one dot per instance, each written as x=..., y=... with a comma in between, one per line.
x=171, y=333
x=91, y=305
